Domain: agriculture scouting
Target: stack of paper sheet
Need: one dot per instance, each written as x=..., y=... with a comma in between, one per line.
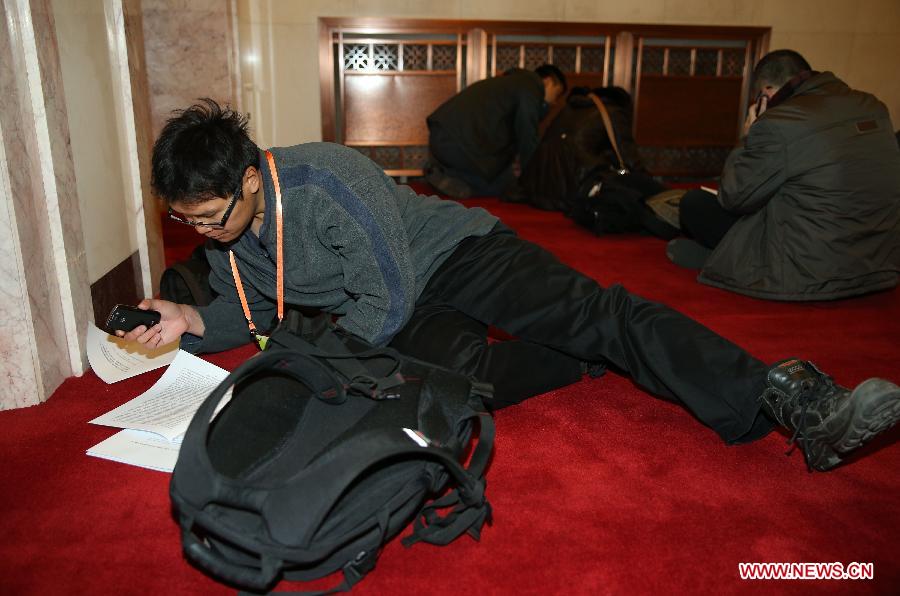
x=156, y=420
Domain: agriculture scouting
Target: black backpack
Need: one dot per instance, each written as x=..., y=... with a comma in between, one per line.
x=187, y=282
x=608, y=202
x=328, y=449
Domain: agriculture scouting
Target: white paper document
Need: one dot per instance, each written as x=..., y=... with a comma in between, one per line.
x=157, y=419
x=139, y=448
x=167, y=408
x=114, y=359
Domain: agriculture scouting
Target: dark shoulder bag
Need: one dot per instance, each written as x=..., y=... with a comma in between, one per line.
x=187, y=282
x=612, y=201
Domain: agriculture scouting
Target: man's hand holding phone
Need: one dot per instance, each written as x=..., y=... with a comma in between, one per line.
x=125, y=318
x=756, y=110
x=175, y=319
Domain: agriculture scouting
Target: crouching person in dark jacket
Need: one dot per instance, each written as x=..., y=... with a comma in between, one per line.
x=809, y=204
x=477, y=136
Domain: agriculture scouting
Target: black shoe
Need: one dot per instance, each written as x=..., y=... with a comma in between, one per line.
x=829, y=421
x=688, y=253
x=446, y=185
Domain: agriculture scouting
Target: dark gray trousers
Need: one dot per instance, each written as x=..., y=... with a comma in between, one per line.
x=560, y=318
x=703, y=219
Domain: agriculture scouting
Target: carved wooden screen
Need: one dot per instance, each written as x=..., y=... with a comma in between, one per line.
x=387, y=82
x=691, y=96
x=380, y=78
x=585, y=60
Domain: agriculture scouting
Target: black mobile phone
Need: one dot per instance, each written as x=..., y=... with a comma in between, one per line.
x=125, y=318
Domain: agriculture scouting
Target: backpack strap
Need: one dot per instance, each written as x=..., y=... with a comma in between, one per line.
x=193, y=458
x=433, y=528
x=202, y=556
x=328, y=346
x=260, y=579
x=610, y=131
x=353, y=571
x=189, y=275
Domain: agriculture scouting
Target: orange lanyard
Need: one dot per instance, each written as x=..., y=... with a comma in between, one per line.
x=279, y=261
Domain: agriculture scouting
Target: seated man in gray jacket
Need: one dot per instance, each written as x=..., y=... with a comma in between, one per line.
x=809, y=203
x=319, y=225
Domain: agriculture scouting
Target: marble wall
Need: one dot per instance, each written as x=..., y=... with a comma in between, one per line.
x=143, y=137
x=100, y=154
x=19, y=367
x=45, y=279
x=190, y=53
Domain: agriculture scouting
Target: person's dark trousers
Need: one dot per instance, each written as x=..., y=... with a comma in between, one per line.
x=501, y=280
x=440, y=334
x=703, y=219
x=451, y=162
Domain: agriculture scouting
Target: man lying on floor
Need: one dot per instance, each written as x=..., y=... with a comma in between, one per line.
x=809, y=204
x=427, y=276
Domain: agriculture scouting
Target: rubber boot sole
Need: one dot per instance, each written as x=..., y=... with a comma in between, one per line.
x=876, y=408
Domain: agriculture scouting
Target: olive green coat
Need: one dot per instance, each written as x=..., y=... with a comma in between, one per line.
x=817, y=181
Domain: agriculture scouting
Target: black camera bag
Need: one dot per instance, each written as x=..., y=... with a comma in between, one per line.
x=187, y=281
x=608, y=202
x=327, y=449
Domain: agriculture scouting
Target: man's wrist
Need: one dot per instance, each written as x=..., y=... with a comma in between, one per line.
x=194, y=321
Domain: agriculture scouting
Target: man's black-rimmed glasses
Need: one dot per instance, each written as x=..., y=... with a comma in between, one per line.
x=213, y=226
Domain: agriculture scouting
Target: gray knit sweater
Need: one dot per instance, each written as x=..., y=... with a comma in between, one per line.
x=356, y=245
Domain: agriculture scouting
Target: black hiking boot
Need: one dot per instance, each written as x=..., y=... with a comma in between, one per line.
x=829, y=421
x=446, y=184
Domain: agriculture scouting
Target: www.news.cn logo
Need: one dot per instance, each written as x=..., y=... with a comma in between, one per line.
x=807, y=570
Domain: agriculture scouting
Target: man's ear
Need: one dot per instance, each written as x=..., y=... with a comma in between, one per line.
x=252, y=179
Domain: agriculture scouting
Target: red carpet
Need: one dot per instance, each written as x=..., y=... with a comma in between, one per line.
x=597, y=488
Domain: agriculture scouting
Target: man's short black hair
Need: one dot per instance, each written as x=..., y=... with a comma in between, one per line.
x=778, y=67
x=201, y=153
x=548, y=70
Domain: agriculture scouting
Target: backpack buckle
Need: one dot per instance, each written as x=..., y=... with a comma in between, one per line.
x=358, y=567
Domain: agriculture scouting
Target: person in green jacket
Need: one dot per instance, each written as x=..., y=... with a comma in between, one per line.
x=809, y=203
x=479, y=136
